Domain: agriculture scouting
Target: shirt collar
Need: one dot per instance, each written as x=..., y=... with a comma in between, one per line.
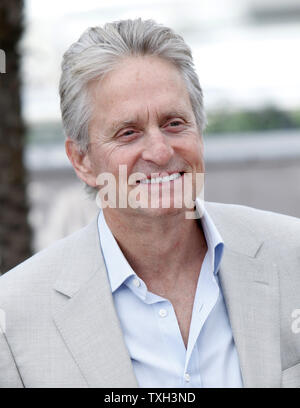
x=117, y=266
x=118, y=269
x=215, y=243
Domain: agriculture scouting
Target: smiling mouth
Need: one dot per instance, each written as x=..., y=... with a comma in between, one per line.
x=164, y=179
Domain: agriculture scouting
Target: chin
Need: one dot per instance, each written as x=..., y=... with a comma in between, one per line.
x=159, y=212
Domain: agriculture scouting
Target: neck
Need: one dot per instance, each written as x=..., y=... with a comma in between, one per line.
x=161, y=247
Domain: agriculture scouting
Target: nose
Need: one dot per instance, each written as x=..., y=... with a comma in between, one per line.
x=157, y=149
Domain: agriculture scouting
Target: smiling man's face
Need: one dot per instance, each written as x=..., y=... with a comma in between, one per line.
x=143, y=119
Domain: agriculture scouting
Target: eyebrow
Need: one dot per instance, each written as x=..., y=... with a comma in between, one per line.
x=179, y=113
x=116, y=126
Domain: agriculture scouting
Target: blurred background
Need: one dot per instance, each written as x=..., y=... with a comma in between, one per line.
x=247, y=55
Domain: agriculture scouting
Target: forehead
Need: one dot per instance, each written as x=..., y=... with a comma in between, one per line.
x=139, y=86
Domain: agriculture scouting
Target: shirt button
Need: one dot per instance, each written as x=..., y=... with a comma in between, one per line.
x=187, y=377
x=163, y=313
x=136, y=283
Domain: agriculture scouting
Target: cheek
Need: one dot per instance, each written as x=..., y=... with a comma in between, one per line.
x=112, y=158
x=198, y=147
x=193, y=149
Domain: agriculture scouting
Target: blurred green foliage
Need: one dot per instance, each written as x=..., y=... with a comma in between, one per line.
x=223, y=121
x=268, y=118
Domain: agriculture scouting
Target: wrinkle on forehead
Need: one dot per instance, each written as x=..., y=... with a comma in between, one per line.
x=125, y=94
x=135, y=70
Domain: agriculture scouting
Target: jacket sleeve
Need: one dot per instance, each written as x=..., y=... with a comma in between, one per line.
x=9, y=374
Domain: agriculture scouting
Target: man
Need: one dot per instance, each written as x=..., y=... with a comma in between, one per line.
x=148, y=294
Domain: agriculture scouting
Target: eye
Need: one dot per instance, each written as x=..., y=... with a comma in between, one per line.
x=174, y=125
x=128, y=135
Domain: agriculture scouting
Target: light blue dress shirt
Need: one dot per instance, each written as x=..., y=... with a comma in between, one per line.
x=150, y=327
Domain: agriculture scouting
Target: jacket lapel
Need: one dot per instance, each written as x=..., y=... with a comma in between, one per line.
x=251, y=296
x=85, y=316
x=251, y=291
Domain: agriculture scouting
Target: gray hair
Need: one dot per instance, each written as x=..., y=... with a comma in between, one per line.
x=99, y=50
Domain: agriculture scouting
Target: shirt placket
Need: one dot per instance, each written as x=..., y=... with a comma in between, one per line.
x=170, y=332
x=163, y=312
x=206, y=296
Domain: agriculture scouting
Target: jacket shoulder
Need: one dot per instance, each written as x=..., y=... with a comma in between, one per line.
x=265, y=225
x=41, y=270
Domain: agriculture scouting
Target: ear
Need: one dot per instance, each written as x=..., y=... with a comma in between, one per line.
x=80, y=162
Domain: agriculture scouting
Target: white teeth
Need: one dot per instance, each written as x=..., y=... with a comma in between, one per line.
x=161, y=179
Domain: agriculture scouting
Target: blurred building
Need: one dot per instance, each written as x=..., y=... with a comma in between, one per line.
x=245, y=50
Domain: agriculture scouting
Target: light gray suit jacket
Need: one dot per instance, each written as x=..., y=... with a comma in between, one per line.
x=62, y=329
